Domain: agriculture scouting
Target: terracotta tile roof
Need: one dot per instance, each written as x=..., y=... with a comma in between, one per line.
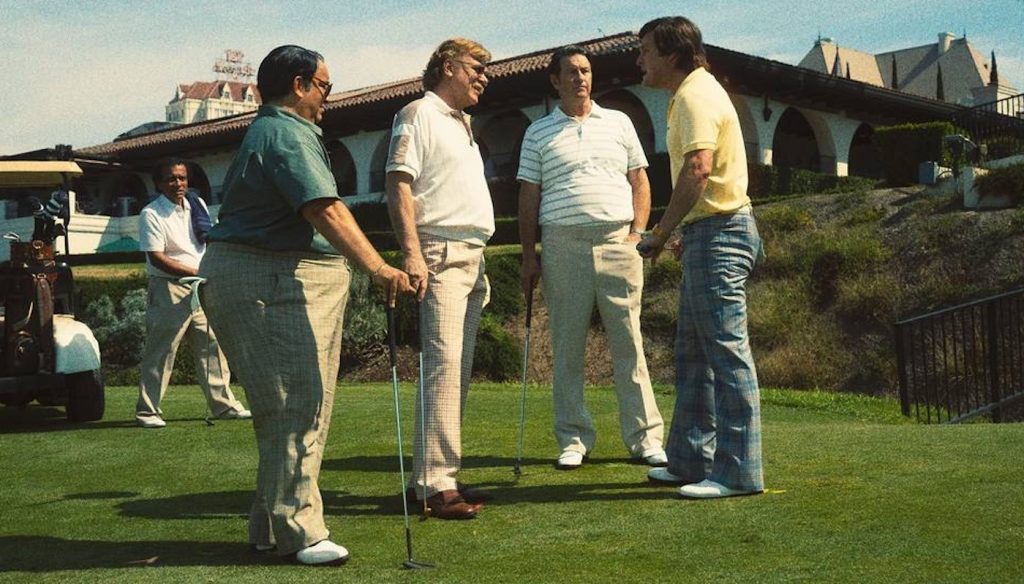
x=214, y=89
x=396, y=90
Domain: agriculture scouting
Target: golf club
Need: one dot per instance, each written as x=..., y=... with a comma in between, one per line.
x=522, y=396
x=409, y=562
x=423, y=434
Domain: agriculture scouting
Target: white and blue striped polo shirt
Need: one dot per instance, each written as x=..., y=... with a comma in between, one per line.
x=581, y=166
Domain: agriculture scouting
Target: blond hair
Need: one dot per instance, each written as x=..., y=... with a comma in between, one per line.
x=451, y=50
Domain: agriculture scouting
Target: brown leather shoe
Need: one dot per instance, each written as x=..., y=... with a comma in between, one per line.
x=450, y=505
x=473, y=494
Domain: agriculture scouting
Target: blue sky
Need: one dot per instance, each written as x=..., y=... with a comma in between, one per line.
x=81, y=72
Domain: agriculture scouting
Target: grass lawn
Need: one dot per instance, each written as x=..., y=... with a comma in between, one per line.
x=855, y=494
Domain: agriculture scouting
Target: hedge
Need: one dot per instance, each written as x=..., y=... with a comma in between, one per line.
x=903, y=148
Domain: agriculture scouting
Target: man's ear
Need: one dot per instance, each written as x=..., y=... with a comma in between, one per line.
x=554, y=81
x=447, y=69
x=297, y=86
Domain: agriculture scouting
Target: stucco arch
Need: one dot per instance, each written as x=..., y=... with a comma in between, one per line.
x=748, y=127
x=629, y=104
x=795, y=143
x=378, y=162
x=501, y=138
x=865, y=159
x=343, y=167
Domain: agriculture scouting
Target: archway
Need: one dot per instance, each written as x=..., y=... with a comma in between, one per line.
x=864, y=157
x=500, y=142
x=629, y=104
x=794, y=144
x=343, y=167
x=198, y=181
x=378, y=163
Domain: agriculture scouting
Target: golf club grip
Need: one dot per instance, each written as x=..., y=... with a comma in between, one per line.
x=529, y=307
x=392, y=333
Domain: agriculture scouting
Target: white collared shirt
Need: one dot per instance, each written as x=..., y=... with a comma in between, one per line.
x=581, y=166
x=434, y=145
x=167, y=227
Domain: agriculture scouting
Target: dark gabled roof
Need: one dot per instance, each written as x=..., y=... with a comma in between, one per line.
x=521, y=79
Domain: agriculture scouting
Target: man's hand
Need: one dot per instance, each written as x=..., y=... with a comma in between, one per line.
x=416, y=268
x=651, y=246
x=394, y=282
x=634, y=237
x=529, y=274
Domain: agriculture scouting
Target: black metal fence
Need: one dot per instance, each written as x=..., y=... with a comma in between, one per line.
x=962, y=362
x=998, y=125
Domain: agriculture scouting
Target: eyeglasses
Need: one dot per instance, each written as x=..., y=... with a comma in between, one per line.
x=477, y=68
x=325, y=86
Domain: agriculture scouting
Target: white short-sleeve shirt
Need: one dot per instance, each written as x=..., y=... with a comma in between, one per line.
x=582, y=166
x=167, y=227
x=434, y=145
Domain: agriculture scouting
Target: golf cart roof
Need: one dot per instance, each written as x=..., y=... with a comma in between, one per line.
x=32, y=173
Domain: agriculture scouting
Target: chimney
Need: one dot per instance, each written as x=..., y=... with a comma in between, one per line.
x=945, y=38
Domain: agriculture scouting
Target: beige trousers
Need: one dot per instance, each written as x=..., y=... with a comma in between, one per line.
x=280, y=319
x=449, y=318
x=581, y=266
x=169, y=319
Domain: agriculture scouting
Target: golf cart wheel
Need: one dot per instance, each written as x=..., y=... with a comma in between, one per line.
x=85, y=396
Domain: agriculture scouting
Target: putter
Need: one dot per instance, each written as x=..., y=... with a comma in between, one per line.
x=409, y=563
x=522, y=395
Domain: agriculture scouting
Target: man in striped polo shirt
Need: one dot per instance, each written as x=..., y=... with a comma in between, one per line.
x=583, y=179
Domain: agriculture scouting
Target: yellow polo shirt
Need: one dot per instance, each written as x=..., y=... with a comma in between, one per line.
x=701, y=117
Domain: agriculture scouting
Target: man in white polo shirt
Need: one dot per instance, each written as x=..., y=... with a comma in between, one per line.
x=441, y=210
x=583, y=180
x=172, y=232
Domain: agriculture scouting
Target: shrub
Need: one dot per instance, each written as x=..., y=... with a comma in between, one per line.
x=778, y=219
x=506, y=289
x=1008, y=181
x=120, y=332
x=498, y=356
x=903, y=148
x=771, y=181
x=365, y=326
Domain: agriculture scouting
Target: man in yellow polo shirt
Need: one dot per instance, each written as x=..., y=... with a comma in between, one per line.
x=714, y=444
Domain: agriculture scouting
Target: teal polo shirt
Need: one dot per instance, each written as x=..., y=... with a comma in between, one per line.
x=280, y=166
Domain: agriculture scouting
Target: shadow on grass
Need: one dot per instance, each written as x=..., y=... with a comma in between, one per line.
x=228, y=504
x=19, y=420
x=27, y=553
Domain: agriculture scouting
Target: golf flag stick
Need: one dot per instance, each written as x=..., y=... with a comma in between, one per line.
x=409, y=562
x=522, y=396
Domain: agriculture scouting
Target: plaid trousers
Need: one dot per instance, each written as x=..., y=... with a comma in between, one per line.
x=279, y=316
x=716, y=425
x=449, y=319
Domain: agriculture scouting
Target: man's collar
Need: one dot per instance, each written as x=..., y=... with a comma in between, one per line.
x=277, y=111
x=596, y=111
x=441, y=104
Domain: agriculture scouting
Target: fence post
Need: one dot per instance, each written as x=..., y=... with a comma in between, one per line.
x=901, y=366
x=992, y=357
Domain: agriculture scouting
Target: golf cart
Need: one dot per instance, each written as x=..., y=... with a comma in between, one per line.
x=45, y=354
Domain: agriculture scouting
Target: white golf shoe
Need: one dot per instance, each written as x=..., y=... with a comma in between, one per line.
x=325, y=553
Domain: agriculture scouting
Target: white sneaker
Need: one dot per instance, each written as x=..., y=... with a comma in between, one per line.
x=569, y=460
x=654, y=457
x=153, y=421
x=321, y=554
x=661, y=475
x=708, y=489
x=235, y=415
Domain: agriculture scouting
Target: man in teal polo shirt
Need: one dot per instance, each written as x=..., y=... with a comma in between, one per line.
x=277, y=283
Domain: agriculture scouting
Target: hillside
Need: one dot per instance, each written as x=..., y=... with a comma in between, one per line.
x=840, y=271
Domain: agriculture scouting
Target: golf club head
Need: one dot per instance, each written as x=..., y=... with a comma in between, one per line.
x=412, y=564
x=516, y=470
